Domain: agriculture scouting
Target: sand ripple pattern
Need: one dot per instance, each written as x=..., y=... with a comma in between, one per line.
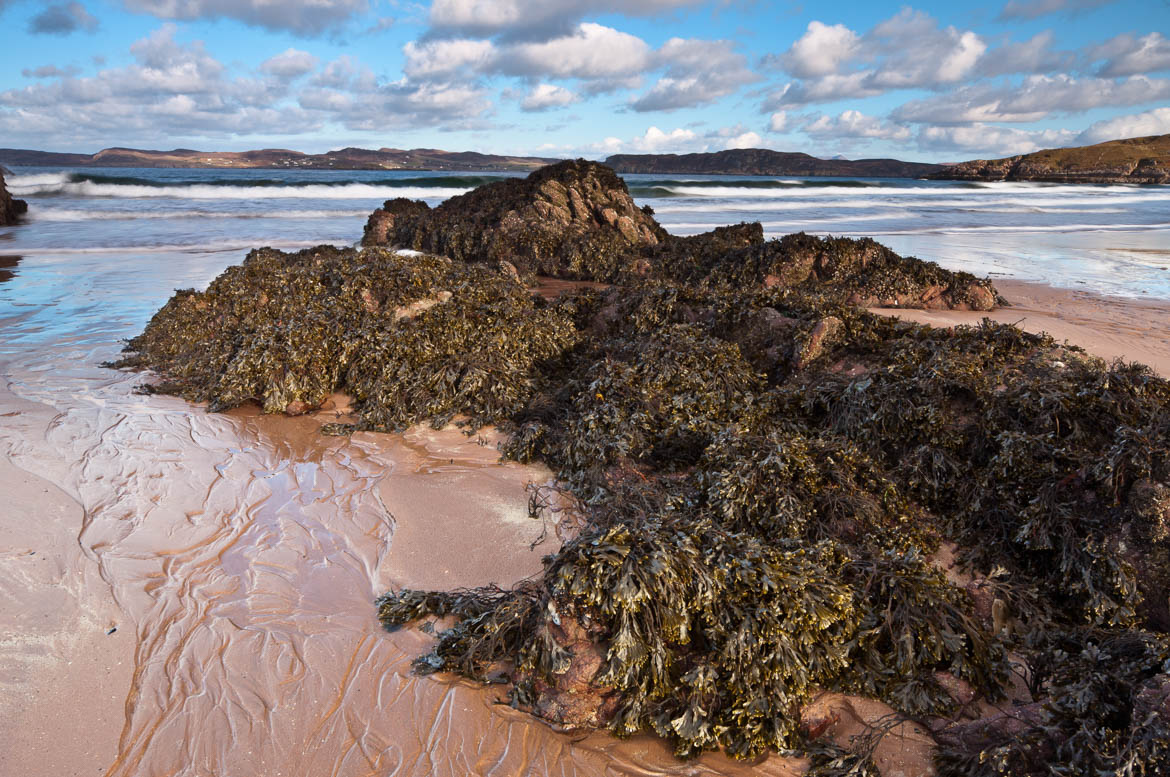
x=243, y=553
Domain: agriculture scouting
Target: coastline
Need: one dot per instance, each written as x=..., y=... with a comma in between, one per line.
x=413, y=530
x=1105, y=326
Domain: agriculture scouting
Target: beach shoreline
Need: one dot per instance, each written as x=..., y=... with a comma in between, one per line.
x=448, y=478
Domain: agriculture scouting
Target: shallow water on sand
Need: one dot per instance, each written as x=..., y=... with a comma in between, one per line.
x=194, y=592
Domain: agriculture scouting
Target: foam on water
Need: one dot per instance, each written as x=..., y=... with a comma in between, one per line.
x=1080, y=236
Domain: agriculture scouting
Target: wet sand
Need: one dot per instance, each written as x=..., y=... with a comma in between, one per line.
x=192, y=594
x=1109, y=327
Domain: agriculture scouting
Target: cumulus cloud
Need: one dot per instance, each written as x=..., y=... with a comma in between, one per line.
x=62, y=19
x=1033, y=9
x=178, y=90
x=545, y=97
x=745, y=140
x=853, y=125
x=989, y=141
x=591, y=51
x=1155, y=122
x=290, y=64
x=653, y=141
x=778, y=122
x=305, y=17
x=1034, y=55
x=1127, y=55
x=823, y=50
x=907, y=51
x=172, y=89
x=697, y=72
x=1035, y=98
x=442, y=58
x=534, y=19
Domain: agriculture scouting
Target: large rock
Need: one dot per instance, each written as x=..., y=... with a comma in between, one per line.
x=574, y=219
x=10, y=209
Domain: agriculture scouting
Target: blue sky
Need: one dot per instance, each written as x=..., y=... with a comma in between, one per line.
x=929, y=81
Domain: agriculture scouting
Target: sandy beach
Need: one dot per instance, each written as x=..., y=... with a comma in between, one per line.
x=1123, y=328
x=201, y=585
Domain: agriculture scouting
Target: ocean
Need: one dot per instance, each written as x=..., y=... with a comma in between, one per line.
x=1105, y=239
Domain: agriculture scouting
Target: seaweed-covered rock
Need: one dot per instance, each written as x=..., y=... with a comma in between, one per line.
x=411, y=339
x=764, y=472
x=10, y=209
x=574, y=219
x=577, y=220
x=858, y=272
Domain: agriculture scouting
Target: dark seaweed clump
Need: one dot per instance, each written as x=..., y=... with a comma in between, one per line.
x=763, y=476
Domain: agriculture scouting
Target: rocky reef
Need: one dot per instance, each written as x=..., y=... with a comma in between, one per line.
x=1133, y=160
x=767, y=479
x=10, y=209
x=577, y=220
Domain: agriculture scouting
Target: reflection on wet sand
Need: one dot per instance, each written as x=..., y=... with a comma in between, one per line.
x=7, y=263
x=207, y=585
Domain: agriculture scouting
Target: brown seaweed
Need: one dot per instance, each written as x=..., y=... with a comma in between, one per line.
x=764, y=470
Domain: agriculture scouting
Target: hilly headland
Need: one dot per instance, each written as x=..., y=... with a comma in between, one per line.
x=340, y=159
x=1132, y=160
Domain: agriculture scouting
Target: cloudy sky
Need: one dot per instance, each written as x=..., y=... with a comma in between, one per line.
x=932, y=81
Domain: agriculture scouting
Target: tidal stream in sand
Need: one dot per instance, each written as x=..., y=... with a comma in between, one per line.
x=187, y=593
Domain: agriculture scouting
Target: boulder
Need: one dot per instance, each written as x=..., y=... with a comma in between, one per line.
x=10, y=209
x=574, y=219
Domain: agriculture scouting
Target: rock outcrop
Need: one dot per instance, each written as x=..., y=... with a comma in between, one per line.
x=1133, y=160
x=574, y=219
x=10, y=209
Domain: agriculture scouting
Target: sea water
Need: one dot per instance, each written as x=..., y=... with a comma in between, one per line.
x=148, y=231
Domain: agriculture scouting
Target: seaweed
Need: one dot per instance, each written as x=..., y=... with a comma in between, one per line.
x=764, y=472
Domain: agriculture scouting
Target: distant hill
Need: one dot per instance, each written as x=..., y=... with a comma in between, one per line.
x=762, y=161
x=1134, y=160
x=341, y=159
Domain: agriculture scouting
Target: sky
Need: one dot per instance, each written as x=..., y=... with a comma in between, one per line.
x=929, y=81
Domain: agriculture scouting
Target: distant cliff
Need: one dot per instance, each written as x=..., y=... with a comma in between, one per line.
x=341, y=159
x=1134, y=160
x=10, y=209
x=761, y=161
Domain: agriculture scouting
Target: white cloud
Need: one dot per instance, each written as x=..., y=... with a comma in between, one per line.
x=1032, y=9
x=991, y=142
x=778, y=122
x=745, y=140
x=535, y=19
x=292, y=63
x=1155, y=122
x=1037, y=97
x=1034, y=55
x=545, y=97
x=826, y=89
x=855, y=125
x=307, y=17
x=591, y=51
x=697, y=72
x=445, y=57
x=653, y=141
x=1128, y=55
x=821, y=51
x=907, y=51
